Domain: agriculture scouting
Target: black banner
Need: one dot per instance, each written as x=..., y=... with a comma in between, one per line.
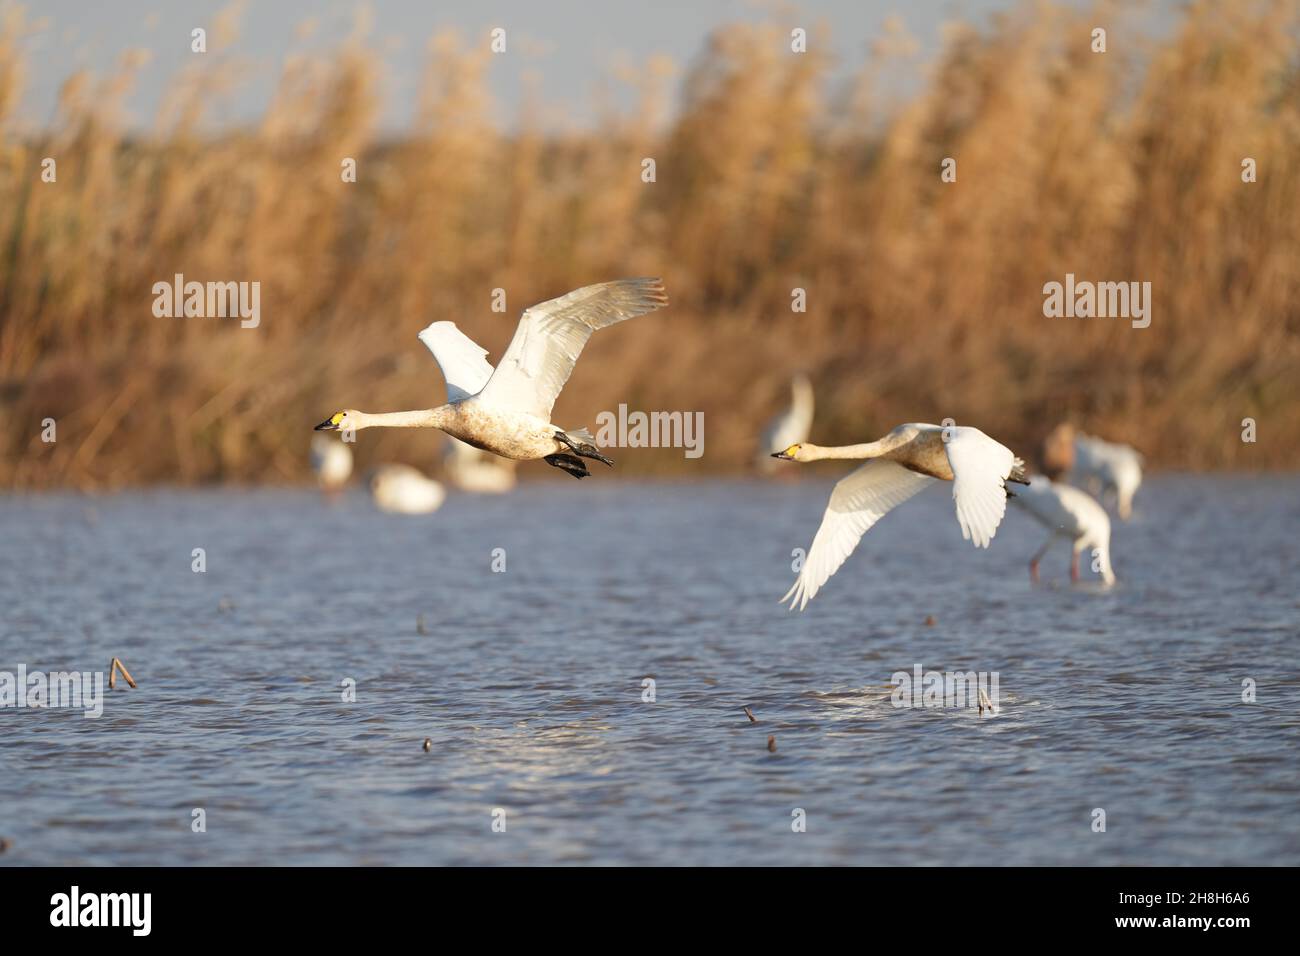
x=997, y=905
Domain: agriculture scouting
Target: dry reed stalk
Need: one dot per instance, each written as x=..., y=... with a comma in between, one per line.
x=1119, y=166
x=114, y=666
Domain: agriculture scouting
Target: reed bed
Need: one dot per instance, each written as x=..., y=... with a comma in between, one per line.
x=924, y=298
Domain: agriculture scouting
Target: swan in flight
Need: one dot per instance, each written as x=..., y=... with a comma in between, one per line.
x=401, y=489
x=332, y=462
x=790, y=427
x=507, y=410
x=902, y=463
x=1067, y=513
x=1107, y=469
x=471, y=469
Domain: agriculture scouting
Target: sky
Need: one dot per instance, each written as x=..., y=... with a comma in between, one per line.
x=563, y=47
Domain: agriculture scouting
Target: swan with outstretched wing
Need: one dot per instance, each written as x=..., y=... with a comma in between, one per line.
x=909, y=458
x=507, y=410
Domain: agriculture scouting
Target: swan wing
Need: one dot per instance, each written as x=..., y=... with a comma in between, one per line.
x=980, y=467
x=550, y=337
x=858, y=501
x=462, y=360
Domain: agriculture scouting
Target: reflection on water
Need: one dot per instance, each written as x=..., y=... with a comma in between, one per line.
x=529, y=683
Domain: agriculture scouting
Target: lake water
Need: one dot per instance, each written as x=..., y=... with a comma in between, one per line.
x=529, y=682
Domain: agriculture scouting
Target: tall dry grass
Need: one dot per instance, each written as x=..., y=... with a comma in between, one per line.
x=924, y=298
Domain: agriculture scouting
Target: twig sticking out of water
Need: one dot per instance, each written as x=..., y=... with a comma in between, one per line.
x=771, y=743
x=750, y=714
x=986, y=704
x=114, y=666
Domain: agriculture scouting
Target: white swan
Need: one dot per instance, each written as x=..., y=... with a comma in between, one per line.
x=331, y=460
x=791, y=427
x=471, y=469
x=507, y=411
x=1117, y=467
x=1105, y=468
x=1067, y=513
x=902, y=463
x=401, y=489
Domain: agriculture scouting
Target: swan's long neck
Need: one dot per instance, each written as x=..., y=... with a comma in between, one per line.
x=896, y=439
x=871, y=449
x=422, y=418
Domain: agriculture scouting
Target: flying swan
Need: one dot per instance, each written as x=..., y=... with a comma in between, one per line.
x=902, y=463
x=507, y=411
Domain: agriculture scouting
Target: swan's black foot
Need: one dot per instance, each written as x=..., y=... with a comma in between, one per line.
x=591, y=451
x=583, y=449
x=570, y=463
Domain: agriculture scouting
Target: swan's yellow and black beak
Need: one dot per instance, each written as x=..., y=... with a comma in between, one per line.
x=330, y=424
x=788, y=454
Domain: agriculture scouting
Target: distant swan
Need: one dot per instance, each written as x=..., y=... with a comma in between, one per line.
x=507, y=411
x=331, y=460
x=471, y=469
x=1105, y=468
x=401, y=489
x=902, y=463
x=1067, y=513
x=790, y=427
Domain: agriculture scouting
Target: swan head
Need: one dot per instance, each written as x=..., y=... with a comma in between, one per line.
x=347, y=420
x=1058, y=451
x=790, y=454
